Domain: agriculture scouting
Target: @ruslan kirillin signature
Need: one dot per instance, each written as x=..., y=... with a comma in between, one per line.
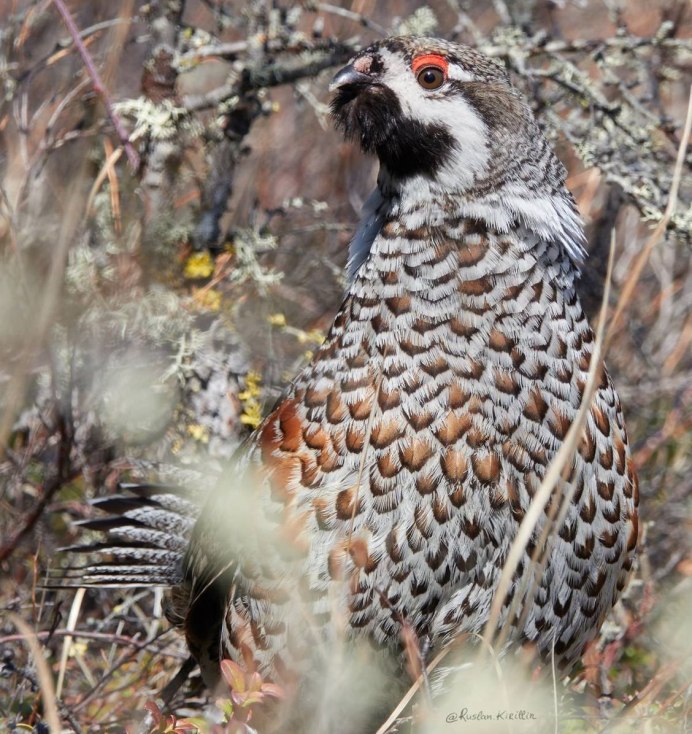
x=469, y=715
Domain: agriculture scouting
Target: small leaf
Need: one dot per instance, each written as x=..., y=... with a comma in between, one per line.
x=233, y=675
x=251, y=698
x=184, y=726
x=238, y=698
x=255, y=682
x=225, y=705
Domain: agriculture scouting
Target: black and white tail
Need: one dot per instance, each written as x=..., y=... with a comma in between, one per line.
x=146, y=533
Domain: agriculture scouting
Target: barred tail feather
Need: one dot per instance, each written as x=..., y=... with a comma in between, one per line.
x=146, y=532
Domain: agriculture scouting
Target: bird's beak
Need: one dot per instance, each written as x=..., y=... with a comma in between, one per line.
x=349, y=76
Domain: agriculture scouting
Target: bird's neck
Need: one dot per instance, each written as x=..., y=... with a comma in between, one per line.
x=537, y=216
x=458, y=264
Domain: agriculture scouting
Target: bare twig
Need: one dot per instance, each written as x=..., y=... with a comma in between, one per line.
x=99, y=88
x=107, y=638
x=412, y=691
x=263, y=76
x=351, y=15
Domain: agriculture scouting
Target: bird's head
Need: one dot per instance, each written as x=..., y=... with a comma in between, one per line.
x=445, y=121
x=423, y=104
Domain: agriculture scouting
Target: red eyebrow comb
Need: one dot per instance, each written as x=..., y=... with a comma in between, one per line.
x=430, y=60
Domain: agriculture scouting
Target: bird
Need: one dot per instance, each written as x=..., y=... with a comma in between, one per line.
x=382, y=492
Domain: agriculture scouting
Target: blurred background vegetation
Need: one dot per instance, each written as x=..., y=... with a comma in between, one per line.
x=156, y=295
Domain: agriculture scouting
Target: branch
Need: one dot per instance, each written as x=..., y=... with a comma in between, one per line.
x=263, y=76
x=98, y=85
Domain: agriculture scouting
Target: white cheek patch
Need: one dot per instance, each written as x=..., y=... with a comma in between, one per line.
x=470, y=157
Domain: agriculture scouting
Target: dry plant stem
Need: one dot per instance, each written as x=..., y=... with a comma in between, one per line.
x=99, y=87
x=114, y=186
x=406, y=699
x=50, y=704
x=67, y=642
x=412, y=691
x=552, y=476
x=108, y=164
x=628, y=289
x=95, y=693
x=117, y=42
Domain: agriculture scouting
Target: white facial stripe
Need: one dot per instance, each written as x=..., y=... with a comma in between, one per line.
x=459, y=74
x=470, y=158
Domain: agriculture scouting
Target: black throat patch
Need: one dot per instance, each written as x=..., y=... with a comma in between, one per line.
x=371, y=114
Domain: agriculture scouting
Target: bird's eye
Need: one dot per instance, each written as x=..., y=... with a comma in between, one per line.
x=431, y=77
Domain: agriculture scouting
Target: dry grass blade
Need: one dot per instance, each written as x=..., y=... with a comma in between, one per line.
x=67, y=642
x=412, y=691
x=108, y=166
x=50, y=703
x=555, y=469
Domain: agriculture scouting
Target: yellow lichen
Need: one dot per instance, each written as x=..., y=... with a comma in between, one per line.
x=198, y=433
x=276, y=319
x=199, y=265
x=252, y=415
x=207, y=298
x=252, y=410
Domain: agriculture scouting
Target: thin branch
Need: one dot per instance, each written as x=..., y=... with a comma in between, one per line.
x=351, y=15
x=412, y=691
x=263, y=76
x=98, y=85
x=106, y=637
